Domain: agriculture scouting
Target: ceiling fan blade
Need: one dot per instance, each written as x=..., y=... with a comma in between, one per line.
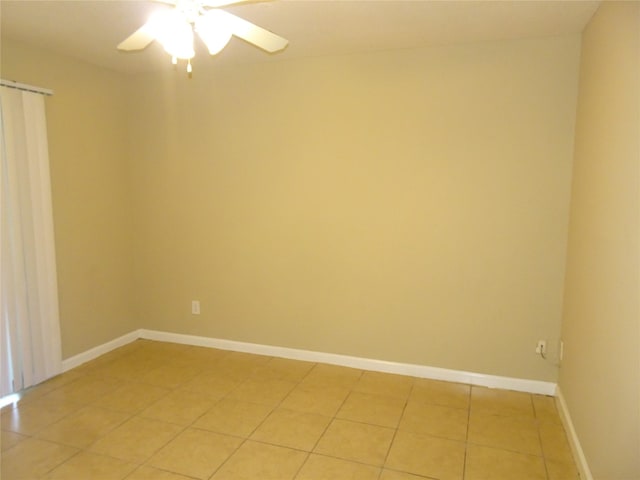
x=254, y=34
x=138, y=40
x=220, y=3
x=208, y=3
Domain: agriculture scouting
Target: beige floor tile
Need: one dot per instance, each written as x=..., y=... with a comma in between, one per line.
x=204, y=354
x=29, y=419
x=268, y=392
x=435, y=420
x=519, y=434
x=28, y=395
x=501, y=402
x=44, y=388
x=51, y=384
x=356, y=441
x=169, y=376
x=484, y=463
x=545, y=408
x=83, y=427
x=91, y=466
x=33, y=458
x=197, y=357
x=288, y=428
x=426, y=455
x=150, y=473
x=324, y=375
x=239, y=365
x=266, y=462
x=148, y=357
x=319, y=467
x=179, y=407
x=393, y=475
x=128, y=367
x=554, y=442
x=62, y=379
x=92, y=366
x=374, y=409
x=284, y=369
x=136, y=440
x=162, y=350
x=131, y=397
x=233, y=417
x=386, y=384
x=562, y=469
x=237, y=371
x=437, y=392
x=195, y=453
x=187, y=411
x=323, y=400
x=84, y=390
x=11, y=439
x=211, y=385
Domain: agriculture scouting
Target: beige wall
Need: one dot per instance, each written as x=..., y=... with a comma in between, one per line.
x=410, y=206
x=600, y=374
x=91, y=197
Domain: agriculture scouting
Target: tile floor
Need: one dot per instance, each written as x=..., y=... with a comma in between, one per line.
x=163, y=411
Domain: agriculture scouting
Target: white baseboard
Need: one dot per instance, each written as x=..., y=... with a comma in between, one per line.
x=421, y=371
x=77, y=360
x=576, y=448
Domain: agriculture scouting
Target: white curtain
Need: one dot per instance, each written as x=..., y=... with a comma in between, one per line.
x=30, y=346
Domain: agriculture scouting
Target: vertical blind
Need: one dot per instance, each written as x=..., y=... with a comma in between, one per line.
x=30, y=347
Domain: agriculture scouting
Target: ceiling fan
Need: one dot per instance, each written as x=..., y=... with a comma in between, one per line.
x=173, y=29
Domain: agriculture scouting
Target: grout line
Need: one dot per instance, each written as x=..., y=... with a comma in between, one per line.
x=326, y=455
x=466, y=437
x=395, y=432
x=64, y=461
x=295, y=475
x=159, y=358
x=229, y=457
x=538, y=422
x=248, y=437
x=493, y=447
x=333, y=418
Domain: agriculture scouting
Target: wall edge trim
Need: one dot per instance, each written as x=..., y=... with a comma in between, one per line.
x=95, y=352
x=574, y=442
x=420, y=371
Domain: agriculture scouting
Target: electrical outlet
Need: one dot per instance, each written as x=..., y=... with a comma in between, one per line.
x=561, y=350
x=195, y=307
x=541, y=347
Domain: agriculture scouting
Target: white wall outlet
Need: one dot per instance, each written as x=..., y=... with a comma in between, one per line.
x=561, y=354
x=195, y=307
x=541, y=347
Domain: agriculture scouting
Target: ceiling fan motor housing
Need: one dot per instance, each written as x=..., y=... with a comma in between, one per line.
x=174, y=29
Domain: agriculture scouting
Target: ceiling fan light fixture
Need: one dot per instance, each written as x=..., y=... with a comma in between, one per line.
x=174, y=33
x=174, y=30
x=212, y=30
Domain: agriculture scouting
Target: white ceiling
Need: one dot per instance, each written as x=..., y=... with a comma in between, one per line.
x=90, y=29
